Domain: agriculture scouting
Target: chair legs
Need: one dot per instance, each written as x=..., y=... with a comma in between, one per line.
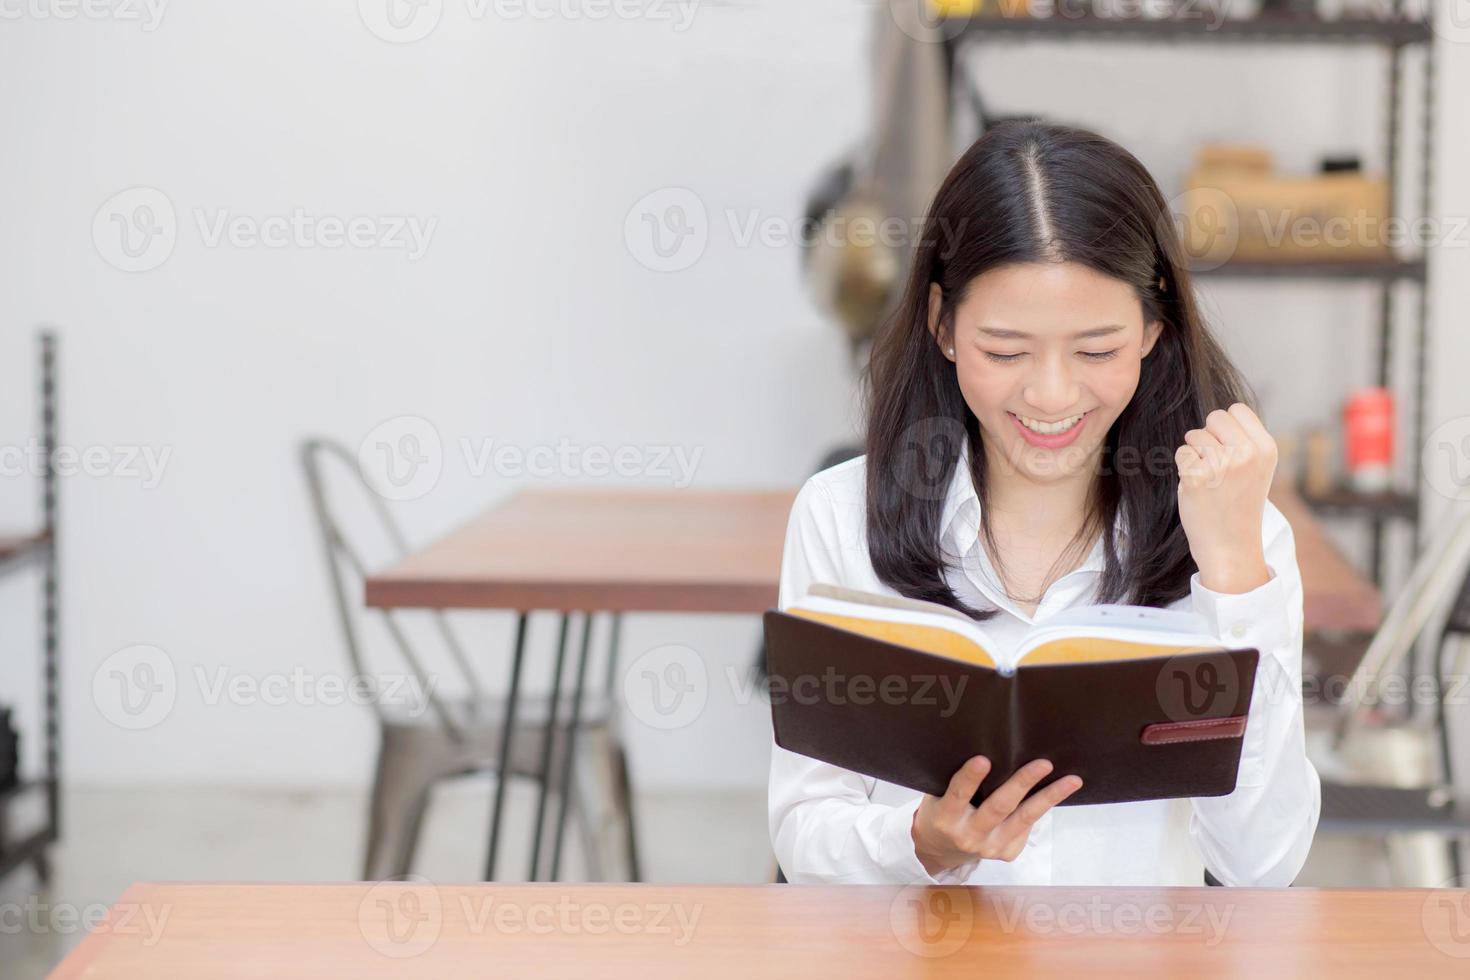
x=400, y=795
x=625, y=805
x=410, y=763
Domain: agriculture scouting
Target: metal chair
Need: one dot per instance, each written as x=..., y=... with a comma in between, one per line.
x=450, y=737
x=1390, y=802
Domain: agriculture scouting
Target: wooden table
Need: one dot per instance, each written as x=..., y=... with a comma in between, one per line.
x=612, y=550
x=664, y=550
x=417, y=929
x=1335, y=595
x=594, y=550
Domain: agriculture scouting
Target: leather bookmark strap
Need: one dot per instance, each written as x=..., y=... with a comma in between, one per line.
x=1168, y=733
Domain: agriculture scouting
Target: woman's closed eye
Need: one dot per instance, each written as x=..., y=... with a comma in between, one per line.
x=1103, y=355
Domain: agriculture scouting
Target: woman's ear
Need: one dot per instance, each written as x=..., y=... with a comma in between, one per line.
x=936, y=302
x=1151, y=331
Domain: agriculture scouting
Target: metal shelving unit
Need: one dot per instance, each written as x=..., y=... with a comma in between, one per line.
x=19, y=551
x=1393, y=33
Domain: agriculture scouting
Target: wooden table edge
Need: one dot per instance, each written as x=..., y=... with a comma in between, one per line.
x=527, y=595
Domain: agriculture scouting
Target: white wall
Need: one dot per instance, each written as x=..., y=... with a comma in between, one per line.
x=528, y=320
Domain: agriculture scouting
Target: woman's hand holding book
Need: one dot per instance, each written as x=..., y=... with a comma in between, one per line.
x=948, y=831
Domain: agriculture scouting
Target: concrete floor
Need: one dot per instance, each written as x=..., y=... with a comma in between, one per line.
x=114, y=837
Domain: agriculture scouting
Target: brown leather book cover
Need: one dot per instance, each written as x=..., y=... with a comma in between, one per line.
x=1138, y=729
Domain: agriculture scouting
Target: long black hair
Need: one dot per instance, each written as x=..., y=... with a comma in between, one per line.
x=1029, y=191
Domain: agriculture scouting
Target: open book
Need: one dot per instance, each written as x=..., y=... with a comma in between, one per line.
x=1140, y=702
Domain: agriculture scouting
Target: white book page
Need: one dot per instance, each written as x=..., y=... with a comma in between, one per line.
x=1138, y=624
x=888, y=601
x=898, y=610
x=1135, y=624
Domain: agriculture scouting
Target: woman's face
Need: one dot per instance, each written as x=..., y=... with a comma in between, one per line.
x=1053, y=346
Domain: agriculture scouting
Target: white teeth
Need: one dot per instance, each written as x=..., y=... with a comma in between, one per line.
x=1050, y=428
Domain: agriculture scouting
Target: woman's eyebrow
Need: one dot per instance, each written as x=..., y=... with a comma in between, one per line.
x=1006, y=334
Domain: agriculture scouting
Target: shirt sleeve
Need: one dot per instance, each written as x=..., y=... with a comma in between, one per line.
x=824, y=826
x=1260, y=833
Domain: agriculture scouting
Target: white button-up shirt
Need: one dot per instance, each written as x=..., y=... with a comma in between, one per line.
x=830, y=824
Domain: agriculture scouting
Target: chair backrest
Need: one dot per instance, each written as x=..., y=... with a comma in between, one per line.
x=1439, y=583
x=344, y=556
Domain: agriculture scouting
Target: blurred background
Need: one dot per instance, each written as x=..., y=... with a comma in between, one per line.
x=479, y=249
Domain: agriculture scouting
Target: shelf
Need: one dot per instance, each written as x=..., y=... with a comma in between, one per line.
x=23, y=786
x=17, y=548
x=29, y=849
x=1371, y=270
x=1271, y=27
x=1346, y=502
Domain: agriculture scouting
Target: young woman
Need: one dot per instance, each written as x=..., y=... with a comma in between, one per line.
x=1051, y=424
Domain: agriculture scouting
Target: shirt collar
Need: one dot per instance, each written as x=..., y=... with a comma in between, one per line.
x=960, y=520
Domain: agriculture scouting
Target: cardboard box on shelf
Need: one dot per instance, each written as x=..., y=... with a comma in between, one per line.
x=1229, y=214
x=1233, y=157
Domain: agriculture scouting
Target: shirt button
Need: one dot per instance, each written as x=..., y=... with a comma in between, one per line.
x=1237, y=631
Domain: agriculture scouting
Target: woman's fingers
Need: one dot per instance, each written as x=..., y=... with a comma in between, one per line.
x=999, y=804
x=1253, y=427
x=1019, y=823
x=965, y=781
x=1226, y=427
x=1205, y=443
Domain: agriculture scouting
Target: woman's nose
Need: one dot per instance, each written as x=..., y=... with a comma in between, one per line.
x=1051, y=390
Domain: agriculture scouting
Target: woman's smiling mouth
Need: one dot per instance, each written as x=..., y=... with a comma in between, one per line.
x=1050, y=435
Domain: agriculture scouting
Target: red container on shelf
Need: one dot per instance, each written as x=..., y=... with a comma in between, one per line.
x=1367, y=420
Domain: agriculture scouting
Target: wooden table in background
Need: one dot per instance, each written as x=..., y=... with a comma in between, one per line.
x=416, y=929
x=664, y=550
x=594, y=550
x=1335, y=595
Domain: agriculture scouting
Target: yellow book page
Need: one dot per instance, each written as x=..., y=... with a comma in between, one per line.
x=928, y=639
x=1084, y=650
